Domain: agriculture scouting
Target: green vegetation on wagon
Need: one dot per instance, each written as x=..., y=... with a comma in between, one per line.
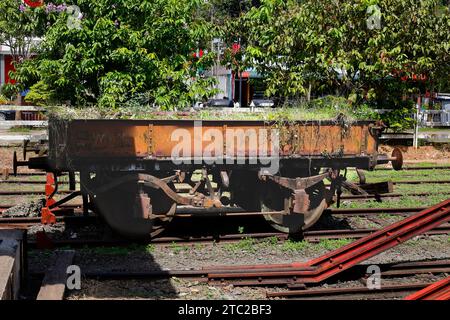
x=327, y=108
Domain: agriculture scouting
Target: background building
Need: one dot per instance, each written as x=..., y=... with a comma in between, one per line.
x=5, y=65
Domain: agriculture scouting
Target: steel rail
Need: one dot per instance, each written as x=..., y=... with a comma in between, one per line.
x=437, y=291
x=30, y=192
x=185, y=212
x=421, y=182
x=312, y=236
x=342, y=292
x=31, y=182
x=345, y=197
x=388, y=270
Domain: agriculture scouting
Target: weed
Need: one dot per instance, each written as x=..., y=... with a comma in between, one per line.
x=272, y=241
x=332, y=244
x=176, y=248
x=117, y=251
x=291, y=245
x=19, y=129
x=150, y=248
x=246, y=244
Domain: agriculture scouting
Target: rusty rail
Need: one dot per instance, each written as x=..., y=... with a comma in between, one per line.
x=345, y=292
x=436, y=291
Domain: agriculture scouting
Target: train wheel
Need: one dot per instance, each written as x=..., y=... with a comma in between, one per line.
x=135, y=213
x=273, y=199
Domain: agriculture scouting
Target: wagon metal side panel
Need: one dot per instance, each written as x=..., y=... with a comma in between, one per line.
x=156, y=140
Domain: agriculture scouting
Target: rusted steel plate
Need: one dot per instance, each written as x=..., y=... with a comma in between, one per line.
x=158, y=139
x=116, y=139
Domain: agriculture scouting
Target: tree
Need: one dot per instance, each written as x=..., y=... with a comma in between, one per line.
x=328, y=44
x=19, y=28
x=125, y=52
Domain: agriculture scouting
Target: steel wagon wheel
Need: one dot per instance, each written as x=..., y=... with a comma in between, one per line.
x=134, y=210
x=273, y=200
x=253, y=194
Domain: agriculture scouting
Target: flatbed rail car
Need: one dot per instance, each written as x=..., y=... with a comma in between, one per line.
x=131, y=170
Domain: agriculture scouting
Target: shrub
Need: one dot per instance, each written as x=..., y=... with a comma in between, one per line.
x=40, y=94
x=9, y=91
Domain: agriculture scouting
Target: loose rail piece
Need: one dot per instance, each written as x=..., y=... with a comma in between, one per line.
x=436, y=291
x=54, y=283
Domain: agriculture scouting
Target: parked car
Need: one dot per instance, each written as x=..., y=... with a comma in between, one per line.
x=220, y=103
x=263, y=103
x=7, y=115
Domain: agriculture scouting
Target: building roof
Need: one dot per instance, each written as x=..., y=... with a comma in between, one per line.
x=5, y=50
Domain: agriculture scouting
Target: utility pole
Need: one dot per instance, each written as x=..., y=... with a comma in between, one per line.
x=240, y=89
x=416, y=125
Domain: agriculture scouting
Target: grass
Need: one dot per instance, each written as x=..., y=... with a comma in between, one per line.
x=387, y=216
x=121, y=251
x=377, y=176
x=331, y=244
x=405, y=189
x=290, y=245
x=246, y=244
x=422, y=188
x=327, y=244
x=433, y=130
x=23, y=129
x=176, y=248
x=425, y=164
x=251, y=245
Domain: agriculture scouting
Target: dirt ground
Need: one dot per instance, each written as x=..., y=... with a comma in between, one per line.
x=424, y=153
x=6, y=159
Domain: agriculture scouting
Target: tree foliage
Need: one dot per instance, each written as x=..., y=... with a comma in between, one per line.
x=327, y=44
x=124, y=49
x=19, y=27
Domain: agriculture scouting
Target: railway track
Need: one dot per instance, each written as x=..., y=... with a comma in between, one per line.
x=354, y=293
x=234, y=211
x=297, y=290
x=164, y=241
x=66, y=215
x=344, y=197
x=42, y=182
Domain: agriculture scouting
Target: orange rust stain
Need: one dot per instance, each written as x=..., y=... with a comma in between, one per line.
x=158, y=139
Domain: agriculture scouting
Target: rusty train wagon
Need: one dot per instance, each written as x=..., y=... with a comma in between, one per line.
x=132, y=172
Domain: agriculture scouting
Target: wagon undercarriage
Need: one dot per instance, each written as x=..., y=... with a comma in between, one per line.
x=291, y=204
